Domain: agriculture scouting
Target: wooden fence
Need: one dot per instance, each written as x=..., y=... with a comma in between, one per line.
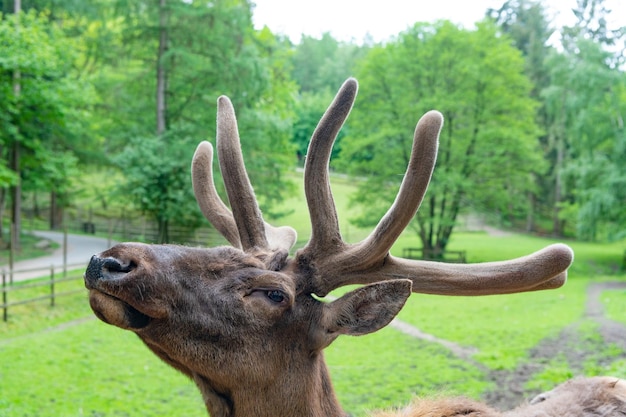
x=50, y=283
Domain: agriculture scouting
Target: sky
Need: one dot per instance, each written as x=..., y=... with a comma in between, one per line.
x=352, y=20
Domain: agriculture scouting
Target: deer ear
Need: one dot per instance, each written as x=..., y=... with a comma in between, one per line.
x=365, y=309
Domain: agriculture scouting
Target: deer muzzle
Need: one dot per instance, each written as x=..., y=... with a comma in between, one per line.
x=108, y=295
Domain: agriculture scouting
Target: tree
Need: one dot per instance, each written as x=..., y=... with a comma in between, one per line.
x=582, y=116
x=41, y=119
x=177, y=58
x=319, y=66
x=488, y=144
x=309, y=109
x=527, y=24
x=324, y=63
x=586, y=108
x=157, y=182
x=592, y=24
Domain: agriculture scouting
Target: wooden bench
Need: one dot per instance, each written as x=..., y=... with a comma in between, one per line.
x=452, y=256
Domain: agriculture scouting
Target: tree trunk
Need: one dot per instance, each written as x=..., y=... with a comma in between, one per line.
x=36, y=211
x=2, y=201
x=558, y=189
x=16, y=193
x=530, y=216
x=56, y=212
x=161, y=103
x=164, y=232
x=16, y=190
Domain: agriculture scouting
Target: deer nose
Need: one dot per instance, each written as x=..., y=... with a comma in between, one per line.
x=105, y=268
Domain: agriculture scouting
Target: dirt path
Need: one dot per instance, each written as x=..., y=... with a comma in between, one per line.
x=571, y=345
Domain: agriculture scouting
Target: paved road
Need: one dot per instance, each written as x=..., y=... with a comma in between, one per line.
x=80, y=248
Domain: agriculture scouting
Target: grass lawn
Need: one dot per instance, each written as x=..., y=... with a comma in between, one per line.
x=614, y=303
x=60, y=361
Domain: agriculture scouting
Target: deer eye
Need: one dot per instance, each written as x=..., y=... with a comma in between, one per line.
x=275, y=295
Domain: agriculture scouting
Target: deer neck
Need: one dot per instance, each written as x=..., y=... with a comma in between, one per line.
x=307, y=393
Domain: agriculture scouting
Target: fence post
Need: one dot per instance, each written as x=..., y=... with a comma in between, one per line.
x=65, y=251
x=51, y=285
x=4, y=296
x=12, y=248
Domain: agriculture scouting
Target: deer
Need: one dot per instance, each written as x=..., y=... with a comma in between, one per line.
x=578, y=397
x=248, y=322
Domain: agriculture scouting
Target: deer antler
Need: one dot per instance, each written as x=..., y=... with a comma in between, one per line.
x=327, y=262
x=244, y=227
x=335, y=263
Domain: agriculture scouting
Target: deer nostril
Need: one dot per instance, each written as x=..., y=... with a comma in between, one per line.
x=113, y=265
x=103, y=268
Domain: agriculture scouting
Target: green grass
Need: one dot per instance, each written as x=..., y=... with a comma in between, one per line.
x=90, y=369
x=614, y=302
x=388, y=368
x=34, y=317
x=503, y=327
x=60, y=361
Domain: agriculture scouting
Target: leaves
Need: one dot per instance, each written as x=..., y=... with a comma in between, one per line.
x=488, y=142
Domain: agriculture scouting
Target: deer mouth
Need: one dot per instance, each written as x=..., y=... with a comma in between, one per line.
x=107, y=279
x=114, y=311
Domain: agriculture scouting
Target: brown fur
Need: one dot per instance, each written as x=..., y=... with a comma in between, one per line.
x=444, y=407
x=579, y=397
x=243, y=322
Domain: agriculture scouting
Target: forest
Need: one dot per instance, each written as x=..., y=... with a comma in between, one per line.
x=103, y=103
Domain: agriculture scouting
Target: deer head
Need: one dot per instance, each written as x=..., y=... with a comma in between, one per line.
x=243, y=322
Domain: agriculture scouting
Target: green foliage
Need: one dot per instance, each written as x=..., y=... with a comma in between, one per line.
x=585, y=108
x=319, y=67
x=87, y=77
x=210, y=51
x=309, y=110
x=526, y=22
x=323, y=64
x=49, y=111
x=592, y=23
x=158, y=182
x=488, y=147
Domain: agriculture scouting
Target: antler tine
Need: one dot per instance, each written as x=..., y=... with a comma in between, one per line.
x=325, y=233
x=209, y=201
x=241, y=196
x=244, y=227
x=544, y=269
x=376, y=246
x=216, y=211
x=333, y=263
